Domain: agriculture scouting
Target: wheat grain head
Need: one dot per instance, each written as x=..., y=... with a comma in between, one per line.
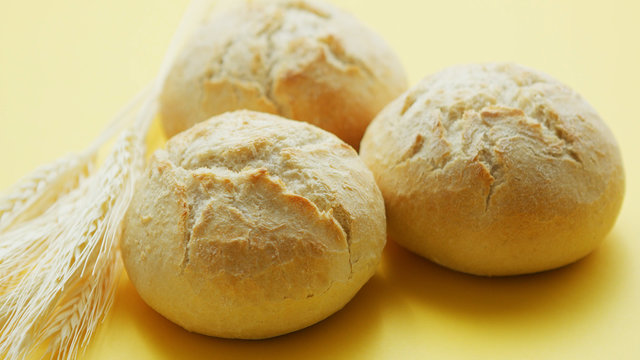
x=78, y=259
x=59, y=231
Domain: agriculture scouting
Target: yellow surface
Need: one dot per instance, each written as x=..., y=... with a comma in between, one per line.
x=67, y=66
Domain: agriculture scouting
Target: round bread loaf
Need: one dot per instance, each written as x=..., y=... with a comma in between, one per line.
x=495, y=169
x=250, y=226
x=303, y=60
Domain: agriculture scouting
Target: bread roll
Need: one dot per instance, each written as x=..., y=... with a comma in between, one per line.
x=304, y=60
x=249, y=226
x=495, y=169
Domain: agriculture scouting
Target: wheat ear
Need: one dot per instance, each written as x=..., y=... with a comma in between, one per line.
x=58, y=260
x=76, y=273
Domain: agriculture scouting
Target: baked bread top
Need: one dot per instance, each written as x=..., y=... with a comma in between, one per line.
x=304, y=60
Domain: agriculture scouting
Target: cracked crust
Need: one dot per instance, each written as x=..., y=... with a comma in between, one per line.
x=239, y=229
x=303, y=60
x=495, y=169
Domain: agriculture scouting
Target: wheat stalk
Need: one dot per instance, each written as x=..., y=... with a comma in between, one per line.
x=59, y=230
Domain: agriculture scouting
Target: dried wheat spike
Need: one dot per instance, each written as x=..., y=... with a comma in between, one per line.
x=74, y=272
x=34, y=193
x=59, y=230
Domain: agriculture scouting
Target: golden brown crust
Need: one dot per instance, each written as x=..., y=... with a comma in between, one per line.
x=303, y=60
x=239, y=229
x=495, y=169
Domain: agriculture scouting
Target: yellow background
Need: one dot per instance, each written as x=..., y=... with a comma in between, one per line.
x=67, y=66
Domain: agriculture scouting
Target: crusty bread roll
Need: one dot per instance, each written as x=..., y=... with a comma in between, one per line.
x=495, y=169
x=304, y=60
x=250, y=226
